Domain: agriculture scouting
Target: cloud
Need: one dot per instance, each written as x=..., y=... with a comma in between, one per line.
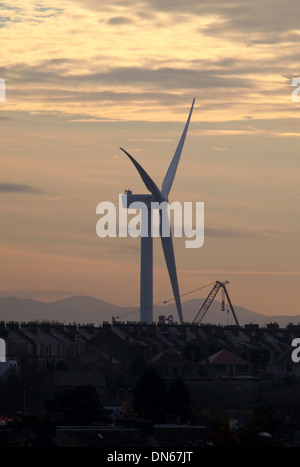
x=78, y=95
x=161, y=60
x=268, y=18
x=19, y=188
x=164, y=77
x=215, y=232
x=61, y=85
x=256, y=16
x=217, y=148
x=120, y=20
x=6, y=6
x=228, y=15
x=239, y=272
x=238, y=233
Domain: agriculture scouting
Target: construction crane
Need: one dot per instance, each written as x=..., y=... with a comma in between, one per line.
x=210, y=298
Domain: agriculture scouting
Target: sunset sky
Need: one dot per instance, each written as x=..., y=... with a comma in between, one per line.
x=84, y=78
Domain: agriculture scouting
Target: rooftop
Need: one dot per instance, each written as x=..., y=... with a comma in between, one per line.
x=225, y=357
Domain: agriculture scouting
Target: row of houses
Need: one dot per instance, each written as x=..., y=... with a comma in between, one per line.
x=221, y=364
x=225, y=351
x=45, y=343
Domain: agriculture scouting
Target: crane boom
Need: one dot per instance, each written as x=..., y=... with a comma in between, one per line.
x=210, y=298
x=206, y=304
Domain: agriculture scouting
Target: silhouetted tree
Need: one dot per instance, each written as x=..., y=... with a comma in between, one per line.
x=28, y=387
x=150, y=397
x=79, y=406
x=263, y=420
x=179, y=401
x=223, y=436
x=11, y=395
x=37, y=384
x=259, y=431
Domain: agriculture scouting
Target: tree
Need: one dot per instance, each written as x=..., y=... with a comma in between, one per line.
x=223, y=436
x=150, y=397
x=179, y=401
x=263, y=420
x=260, y=429
x=79, y=406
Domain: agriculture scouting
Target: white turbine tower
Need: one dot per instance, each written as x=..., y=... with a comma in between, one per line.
x=157, y=195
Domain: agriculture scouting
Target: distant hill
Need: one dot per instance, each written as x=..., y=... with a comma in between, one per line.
x=80, y=309
x=84, y=309
x=244, y=316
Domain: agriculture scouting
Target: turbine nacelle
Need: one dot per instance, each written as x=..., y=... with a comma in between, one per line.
x=143, y=198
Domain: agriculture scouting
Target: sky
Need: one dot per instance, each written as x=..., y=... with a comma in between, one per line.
x=84, y=78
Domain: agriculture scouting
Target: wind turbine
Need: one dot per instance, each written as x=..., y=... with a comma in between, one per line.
x=157, y=195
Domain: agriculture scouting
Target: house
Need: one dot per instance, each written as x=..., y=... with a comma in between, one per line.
x=46, y=348
x=45, y=343
x=281, y=365
x=170, y=363
x=17, y=344
x=226, y=364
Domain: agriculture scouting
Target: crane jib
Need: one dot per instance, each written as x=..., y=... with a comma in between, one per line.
x=210, y=298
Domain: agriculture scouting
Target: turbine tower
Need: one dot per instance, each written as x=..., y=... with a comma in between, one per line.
x=157, y=195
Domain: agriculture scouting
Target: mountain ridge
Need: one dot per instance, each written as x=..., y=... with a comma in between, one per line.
x=87, y=309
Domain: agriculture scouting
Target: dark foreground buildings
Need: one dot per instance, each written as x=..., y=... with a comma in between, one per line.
x=236, y=381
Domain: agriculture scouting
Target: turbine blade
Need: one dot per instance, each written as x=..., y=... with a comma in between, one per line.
x=170, y=175
x=151, y=186
x=167, y=246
